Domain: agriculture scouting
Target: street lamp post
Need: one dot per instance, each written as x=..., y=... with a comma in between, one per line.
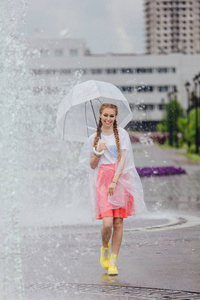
x=187, y=86
x=176, y=118
x=170, y=121
x=196, y=82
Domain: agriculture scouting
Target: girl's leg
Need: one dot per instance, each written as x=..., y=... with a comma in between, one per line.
x=106, y=230
x=117, y=234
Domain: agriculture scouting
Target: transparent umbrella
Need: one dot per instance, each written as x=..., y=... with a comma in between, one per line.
x=78, y=112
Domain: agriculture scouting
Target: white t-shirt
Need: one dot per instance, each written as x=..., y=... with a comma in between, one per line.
x=111, y=153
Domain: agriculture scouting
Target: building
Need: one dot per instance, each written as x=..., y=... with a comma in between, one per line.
x=172, y=26
x=145, y=80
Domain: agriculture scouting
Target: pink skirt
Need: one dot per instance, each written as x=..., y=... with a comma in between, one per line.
x=103, y=207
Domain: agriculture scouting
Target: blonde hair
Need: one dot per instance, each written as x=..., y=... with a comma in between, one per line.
x=115, y=129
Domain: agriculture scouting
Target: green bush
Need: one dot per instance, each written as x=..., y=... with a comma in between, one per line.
x=192, y=148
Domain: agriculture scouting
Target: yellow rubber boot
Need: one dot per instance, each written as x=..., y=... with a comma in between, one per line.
x=112, y=269
x=104, y=260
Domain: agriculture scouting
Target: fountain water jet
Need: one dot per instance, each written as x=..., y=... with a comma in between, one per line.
x=39, y=174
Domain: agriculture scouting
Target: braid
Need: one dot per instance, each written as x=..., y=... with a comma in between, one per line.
x=116, y=133
x=98, y=134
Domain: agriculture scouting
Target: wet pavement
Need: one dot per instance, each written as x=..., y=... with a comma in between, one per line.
x=159, y=257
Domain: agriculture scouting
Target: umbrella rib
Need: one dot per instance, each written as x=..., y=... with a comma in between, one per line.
x=93, y=112
x=64, y=126
x=86, y=120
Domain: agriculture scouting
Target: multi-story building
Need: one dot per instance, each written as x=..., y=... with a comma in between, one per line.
x=172, y=26
x=145, y=80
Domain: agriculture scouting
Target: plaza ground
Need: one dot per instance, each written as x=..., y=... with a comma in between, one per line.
x=159, y=257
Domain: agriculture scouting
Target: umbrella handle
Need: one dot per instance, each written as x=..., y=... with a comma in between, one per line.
x=96, y=152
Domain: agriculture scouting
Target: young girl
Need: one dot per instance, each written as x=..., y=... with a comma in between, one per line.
x=116, y=185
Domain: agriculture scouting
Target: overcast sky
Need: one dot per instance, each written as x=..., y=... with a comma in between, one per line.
x=106, y=25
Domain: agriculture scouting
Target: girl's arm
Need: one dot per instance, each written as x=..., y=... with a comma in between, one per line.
x=95, y=158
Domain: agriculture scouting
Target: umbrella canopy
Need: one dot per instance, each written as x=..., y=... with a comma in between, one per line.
x=78, y=112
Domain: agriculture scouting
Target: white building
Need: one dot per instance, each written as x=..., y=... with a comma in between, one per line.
x=172, y=26
x=145, y=80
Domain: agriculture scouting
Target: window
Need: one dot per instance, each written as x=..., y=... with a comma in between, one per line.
x=96, y=71
x=111, y=71
x=144, y=70
x=65, y=71
x=73, y=52
x=58, y=52
x=161, y=106
x=127, y=89
x=163, y=88
x=150, y=106
x=127, y=71
x=144, y=89
x=162, y=70
x=174, y=88
x=140, y=106
x=44, y=52
x=49, y=72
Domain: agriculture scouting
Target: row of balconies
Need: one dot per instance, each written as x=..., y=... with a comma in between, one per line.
x=125, y=89
x=171, y=3
x=99, y=71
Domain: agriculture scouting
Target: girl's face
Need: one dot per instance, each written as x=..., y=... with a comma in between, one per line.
x=108, y=116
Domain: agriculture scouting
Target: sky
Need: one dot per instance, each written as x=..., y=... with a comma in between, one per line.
x=106, y=25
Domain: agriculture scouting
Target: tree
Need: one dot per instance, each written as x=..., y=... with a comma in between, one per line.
x=173, y=111
x=187, y=127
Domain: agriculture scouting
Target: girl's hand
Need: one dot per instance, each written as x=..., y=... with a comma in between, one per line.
x=102, y=146
x=111, y=189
